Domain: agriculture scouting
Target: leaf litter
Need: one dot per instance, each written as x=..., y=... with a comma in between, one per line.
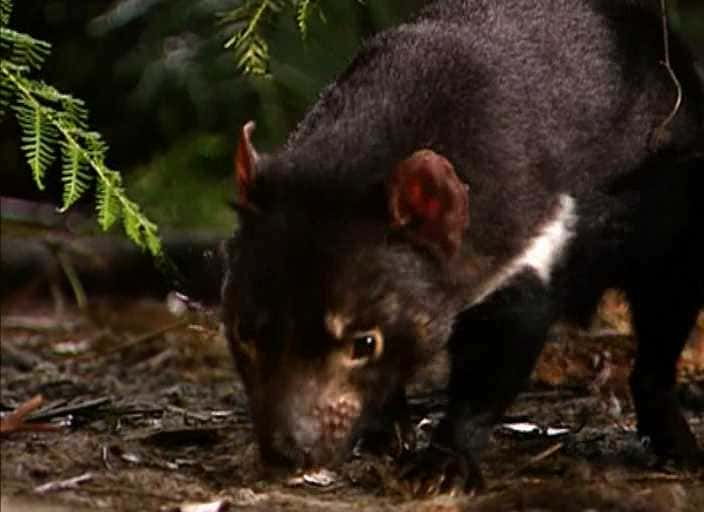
x=145, y=413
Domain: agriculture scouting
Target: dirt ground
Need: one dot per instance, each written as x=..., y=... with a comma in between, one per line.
x=141, y=411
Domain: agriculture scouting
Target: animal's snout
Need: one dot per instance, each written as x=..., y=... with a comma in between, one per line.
x=314, y=437
x=336, y=417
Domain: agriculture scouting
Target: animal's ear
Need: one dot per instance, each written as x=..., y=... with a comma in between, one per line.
x=426, y=196
x=246, y=160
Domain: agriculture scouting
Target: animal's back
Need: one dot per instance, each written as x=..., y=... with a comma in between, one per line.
x=528, y=99
x=534, y=81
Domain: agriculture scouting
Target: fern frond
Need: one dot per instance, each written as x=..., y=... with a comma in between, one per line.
x=253, y=59
x=51, y=120
x=45, y=91
x=9, y=68
x=95, y=147
x=251, y=50
x=107, y=201
x=5, y=12
x=75, y=112
x=250, y=14
x=74, y=174
x=23, y=48
x=142, y=231
x=6, y=93
x=237, y=15
x=304, y=8
x=39, y=138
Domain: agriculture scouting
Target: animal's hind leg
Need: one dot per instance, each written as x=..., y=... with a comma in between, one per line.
x=664, y=307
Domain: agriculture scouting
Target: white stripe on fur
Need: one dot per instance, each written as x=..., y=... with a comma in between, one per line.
x=541, y=253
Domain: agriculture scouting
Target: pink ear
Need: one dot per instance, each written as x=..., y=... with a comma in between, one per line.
x=426, y=195
x=245, y=162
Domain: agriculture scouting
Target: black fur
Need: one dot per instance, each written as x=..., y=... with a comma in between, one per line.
x=528, y=99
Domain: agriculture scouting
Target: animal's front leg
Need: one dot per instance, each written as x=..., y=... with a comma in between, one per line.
x=492, y=353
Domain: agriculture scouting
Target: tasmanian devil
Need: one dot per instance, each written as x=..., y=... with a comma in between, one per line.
x=472, y=177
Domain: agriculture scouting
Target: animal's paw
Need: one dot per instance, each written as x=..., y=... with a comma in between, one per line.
x=671, y=438
x=438, y=470
x=681, y=449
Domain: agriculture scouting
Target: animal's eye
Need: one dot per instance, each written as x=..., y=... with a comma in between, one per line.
x=363, y=347
x=366, y=346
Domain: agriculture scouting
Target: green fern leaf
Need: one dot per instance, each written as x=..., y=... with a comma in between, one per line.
x=5, y=12
x=254, y=57
x=139, y=229
x=7, y=40
x=133, y=228
x=304, y=9
x=74, y=175
x=151, y=237
x=108, y=199
x=6, y=93
x=95, y=146
x=52, y=121
x=39, y=138
x=251, y=50
x=236, y=15
x=24, y=49
x=75, y=112
x=45, y=91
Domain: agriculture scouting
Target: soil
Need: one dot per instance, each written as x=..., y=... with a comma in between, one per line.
x=144, y=412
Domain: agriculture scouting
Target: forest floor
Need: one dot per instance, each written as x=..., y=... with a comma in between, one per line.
x=141, y=411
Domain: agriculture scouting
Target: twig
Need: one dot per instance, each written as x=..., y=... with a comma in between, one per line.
x=535, y=459
x=658, y=477
x=143, y=338
x=61, y=485
x=68, y=409
x=188, y=414
x=16, y=420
